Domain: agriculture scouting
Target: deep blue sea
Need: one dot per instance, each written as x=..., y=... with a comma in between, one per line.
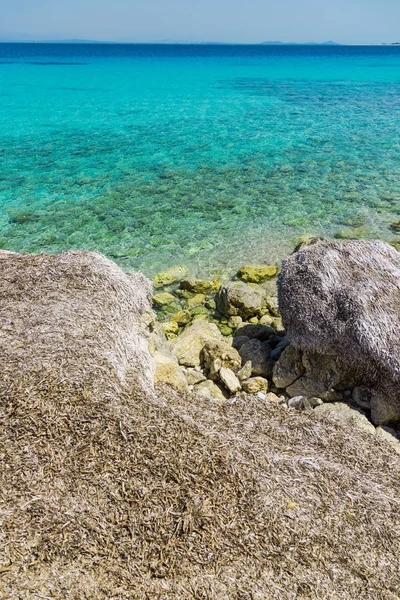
x=206, y=155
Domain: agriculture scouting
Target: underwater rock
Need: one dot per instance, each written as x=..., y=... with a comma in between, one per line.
x=256, y=273
x=342, y=299
x=199, y=286
x=163, y=299
x=169, y=276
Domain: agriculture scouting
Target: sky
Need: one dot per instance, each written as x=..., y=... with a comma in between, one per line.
x=241, y=21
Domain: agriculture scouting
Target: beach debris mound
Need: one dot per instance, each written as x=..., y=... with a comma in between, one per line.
x=342, y=300
x=111, y=489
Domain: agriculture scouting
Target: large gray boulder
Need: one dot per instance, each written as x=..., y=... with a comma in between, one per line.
x=343, y=299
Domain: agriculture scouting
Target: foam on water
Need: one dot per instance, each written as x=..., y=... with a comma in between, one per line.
x=210, y=156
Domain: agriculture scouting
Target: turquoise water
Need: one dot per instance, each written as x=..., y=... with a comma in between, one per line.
x=205, y=155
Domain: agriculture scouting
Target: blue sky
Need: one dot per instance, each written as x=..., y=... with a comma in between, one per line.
x=244, y=21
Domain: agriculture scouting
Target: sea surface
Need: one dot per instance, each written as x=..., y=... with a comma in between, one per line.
x=206, y=155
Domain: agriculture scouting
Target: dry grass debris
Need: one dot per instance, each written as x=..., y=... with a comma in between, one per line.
x=111, y=490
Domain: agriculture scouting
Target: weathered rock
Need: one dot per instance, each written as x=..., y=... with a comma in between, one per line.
x=170, y=276
x=194, y=377
x=239, y=299
x=229, y=379
x=217, y=354
x=256, y=273
x=170, y=329
x=289, y=368
x=163, y=298
x=188, y=346
x=255, y=385
x=199, y=286
x=259, y=354
x=344, y=414
x=208, y=389
x=245, y=371
x=169, y=371
x=343, y=299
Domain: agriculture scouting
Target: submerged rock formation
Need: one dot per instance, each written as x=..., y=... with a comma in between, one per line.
x=342, y=300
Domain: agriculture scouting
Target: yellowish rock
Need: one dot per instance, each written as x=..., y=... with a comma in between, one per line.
x=170, y=276
x=197, y=300
x=182, y=318
x=170, y=328
x=163, y=299
x=257, y=273
x=169, y=371
x=199, y=286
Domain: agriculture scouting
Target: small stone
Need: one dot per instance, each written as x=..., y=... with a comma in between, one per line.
x=256, y=273
x=208, y=389
x=254, y=385
x=182, y=317
x=277, y=324
x=170, y=276
x=229, y=379
x=199, y=310
x=194, y=377
x=163, y=299
x=225, y=330
x=395, y=227
x=266, y=320
x=211, y=304
x=253, y=320
x=197, y=300
x=235, y=322
x=170, y=329
x=275, y=399
x=245, y=371
x=271, y=302
x=299, y=403
x=217, y=354
x=261, y=396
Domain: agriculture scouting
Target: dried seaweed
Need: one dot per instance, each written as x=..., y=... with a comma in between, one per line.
x=111, y=490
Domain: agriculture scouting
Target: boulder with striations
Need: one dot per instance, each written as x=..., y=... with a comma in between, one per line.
x=342, y=299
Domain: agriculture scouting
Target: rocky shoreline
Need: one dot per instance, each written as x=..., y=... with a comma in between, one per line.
x=223, y=339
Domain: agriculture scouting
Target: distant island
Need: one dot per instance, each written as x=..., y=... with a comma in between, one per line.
x=276, y=43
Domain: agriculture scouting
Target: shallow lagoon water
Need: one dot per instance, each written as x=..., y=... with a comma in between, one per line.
x=211, y=156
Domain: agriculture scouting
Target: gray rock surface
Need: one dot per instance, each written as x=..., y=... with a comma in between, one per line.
x=239, y=299
x=259, y=354
x=343, y=299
